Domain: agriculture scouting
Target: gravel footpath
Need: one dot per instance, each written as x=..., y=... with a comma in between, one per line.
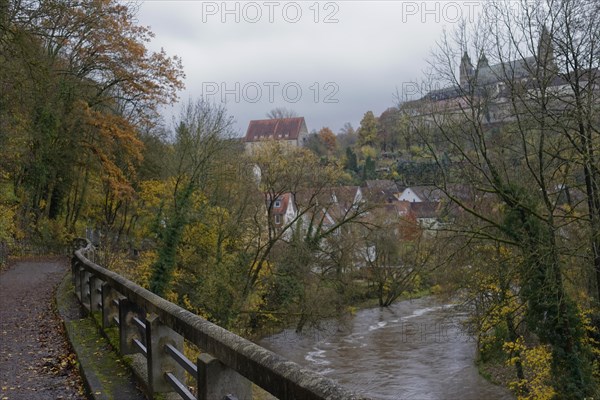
x=35, y=358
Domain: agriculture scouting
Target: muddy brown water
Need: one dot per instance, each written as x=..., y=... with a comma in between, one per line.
x=413, y=350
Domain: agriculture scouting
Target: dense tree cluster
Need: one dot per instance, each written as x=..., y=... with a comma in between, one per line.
x=526, y=140
x=78, y=86
x=249, y=239
x=183, y=210
x=520, y=138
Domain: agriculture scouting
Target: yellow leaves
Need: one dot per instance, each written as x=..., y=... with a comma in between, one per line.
x=111, y=148
x=589, y=338
x=368, y=151
x=513, y=348
x=505, y=251
x=140, y=272
x=152, y=193
x=186, y=303
x=266, y=269
x=171, y=295
x=536, y=362
x=151, y=198
x=8, y=227
x=256, y=300
x=284, y=168
x=203, y=237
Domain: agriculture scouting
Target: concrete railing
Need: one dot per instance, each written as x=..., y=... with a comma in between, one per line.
x=156, y=328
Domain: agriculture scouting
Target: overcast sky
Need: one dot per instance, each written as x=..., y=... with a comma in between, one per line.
x=330, y=62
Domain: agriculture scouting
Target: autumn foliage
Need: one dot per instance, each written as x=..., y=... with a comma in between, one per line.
x=78, y=87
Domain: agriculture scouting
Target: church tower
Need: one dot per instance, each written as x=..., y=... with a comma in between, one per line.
x=545, y=51
x=466, y=70
x=482, y=63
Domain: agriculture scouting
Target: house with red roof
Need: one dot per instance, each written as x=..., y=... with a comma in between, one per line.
x=282, y=211
x=292, y=131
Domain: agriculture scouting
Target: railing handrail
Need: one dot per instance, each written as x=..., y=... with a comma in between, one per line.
x=282, y=378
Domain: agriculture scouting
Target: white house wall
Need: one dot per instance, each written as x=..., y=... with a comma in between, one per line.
x=410, y=196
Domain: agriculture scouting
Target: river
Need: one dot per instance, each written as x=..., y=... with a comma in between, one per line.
x=413, y=350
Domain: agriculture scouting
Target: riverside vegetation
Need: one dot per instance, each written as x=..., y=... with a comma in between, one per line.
x=186, y=212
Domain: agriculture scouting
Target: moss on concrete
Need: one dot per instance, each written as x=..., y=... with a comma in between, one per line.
x=98, y=362
x=106, y=375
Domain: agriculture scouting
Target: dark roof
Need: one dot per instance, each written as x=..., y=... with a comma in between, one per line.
x=426, y=209
x=515, y=69
x=485, y=75
x=381, y=191
x=427, y=193
x=444, y=93
x=382, y=184
x=463, y=192
x=346, y=195
x=284, y=128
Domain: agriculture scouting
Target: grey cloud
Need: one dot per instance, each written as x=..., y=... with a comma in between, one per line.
x=371, y=50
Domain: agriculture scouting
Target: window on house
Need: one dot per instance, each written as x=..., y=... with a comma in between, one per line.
x=277, y=203
x=277, y=219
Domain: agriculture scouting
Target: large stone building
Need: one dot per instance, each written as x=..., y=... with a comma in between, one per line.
x=289, y=130
x=493, y=88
